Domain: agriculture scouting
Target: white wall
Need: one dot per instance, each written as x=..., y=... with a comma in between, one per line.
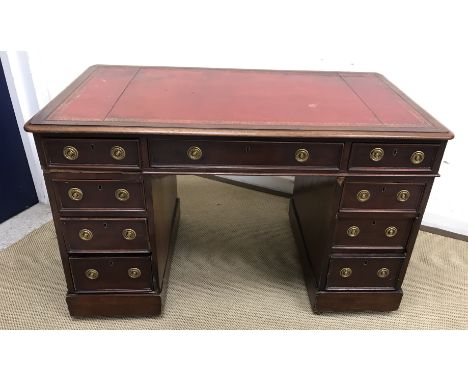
x=420, y=46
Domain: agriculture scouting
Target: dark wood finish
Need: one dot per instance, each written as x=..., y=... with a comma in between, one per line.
x=364, y=272
x=396, y=156
x=100, y=195
x=112, y=273
x=338, y=301
x=112, y=305
x=245, y=122
x=92, y=153
x=127, y=304
x=221, y=153
x=315, y=199
x=383, y=195
x=372, y=228
x=107, y=235
x=164, y=196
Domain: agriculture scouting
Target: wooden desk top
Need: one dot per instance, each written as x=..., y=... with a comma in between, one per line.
x=234, y=102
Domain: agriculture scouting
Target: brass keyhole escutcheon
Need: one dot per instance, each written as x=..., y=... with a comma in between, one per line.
x=403, y=195
x=129, y=234
x=363, y=195
x=85, y=234
x=91, y=274
x=353, y=231
x=134, y=273
x=117, y=152
x=70, y=152
x=417, y=157
x=345, y=272
x=194, y=152
x=391, y=231
x=376, y=154
x=75, y=194
x=122, y=194
x=302, y=155
x=383, y=273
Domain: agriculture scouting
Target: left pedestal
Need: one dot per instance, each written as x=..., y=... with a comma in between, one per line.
x=116, y=226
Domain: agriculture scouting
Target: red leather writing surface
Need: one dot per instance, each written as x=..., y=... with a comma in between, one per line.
x=217, y=96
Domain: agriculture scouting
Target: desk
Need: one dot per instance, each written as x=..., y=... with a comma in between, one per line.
x=364, y=157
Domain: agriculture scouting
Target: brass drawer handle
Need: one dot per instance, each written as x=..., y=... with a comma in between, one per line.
x=75, y=194
x=122, y=194
x=302, y=155
x=85, y=234
x=363, y=195
x=376, y=154
x=194, y=152
x=70, y=152
x=91, y=274
x=403, y=195
x=417, y=157
x=134, y=273
x=345, y=272
x=391, y=231
x=129, y=234
x=353, y=231
x=383, y=273
x=117, y=152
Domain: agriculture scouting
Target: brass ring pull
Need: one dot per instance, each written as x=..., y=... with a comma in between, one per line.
x=376, y=154
x=363, y=195
x=345, y=272
x=403, y=195
x=353, y=231
x=75, y=194
x=128, y=234
x=122, y=194
x=194, y=152
x=117, y=152
x=391, y=231
x=417, y=157
x=85, y=234
x=383, y=273
x=91, y=274
x=70, y=152
x=134, y=273
x=302, y=155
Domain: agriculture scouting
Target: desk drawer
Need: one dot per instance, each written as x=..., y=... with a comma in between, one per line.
x=382, y=195
x=392, y=156
x=99, y=194
x=244, y=153
x=111, y=273
x=115, y=153
x=367, y=230
x=363, y=272
x=91, y=235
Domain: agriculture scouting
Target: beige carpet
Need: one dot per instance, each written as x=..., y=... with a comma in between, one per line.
x=235, y=267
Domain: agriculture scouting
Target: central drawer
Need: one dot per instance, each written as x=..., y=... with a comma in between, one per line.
x=92, y=235
x=182, y=152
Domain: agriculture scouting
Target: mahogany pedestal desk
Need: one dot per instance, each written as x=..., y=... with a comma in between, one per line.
x=364, y=157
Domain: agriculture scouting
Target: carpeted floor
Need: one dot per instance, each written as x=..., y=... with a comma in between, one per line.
x=235, y=267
